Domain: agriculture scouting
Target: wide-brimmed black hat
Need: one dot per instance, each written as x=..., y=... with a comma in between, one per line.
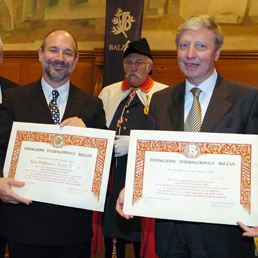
x=141, y=47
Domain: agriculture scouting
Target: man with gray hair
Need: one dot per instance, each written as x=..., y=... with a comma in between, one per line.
x=223, y=106
x=126, y=104
x=4, y=83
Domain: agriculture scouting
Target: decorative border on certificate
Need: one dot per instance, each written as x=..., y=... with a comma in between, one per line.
x=58, y=141
x=194, y=150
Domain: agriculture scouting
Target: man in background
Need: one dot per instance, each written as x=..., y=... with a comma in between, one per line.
x=4, y=84
x=221, y=106
x=39, y=229
x=126, y=105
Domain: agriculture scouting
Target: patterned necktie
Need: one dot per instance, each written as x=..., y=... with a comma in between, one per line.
x=54, y=108
x=194, y=119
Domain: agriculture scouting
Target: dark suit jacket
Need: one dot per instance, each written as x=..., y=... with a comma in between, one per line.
x=41, y=223
x=6, y=84
x=233, y=108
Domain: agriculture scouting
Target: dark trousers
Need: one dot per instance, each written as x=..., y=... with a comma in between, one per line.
x=120, y=247
x=186, y=241
x=29, y=251
x=2, y=247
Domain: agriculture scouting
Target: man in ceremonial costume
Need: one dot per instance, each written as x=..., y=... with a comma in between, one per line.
x=126, y=105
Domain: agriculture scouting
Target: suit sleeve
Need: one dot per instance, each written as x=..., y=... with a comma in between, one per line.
x=151, y=122
x=252, y=123
x=6, y=121
x=99, y=119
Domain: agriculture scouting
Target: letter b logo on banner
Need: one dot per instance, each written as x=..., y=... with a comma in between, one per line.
x=123, y=22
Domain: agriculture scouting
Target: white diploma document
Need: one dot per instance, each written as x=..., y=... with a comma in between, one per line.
x=202, y=177
x=66, y=166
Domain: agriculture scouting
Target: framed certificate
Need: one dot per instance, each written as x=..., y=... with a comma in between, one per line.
x=60, y=165
x=202, y=177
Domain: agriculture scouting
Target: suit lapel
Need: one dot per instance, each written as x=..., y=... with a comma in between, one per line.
x=4, y=84
x=75, y=103
x=218, y=106
x=176, y=108
x=37, y=102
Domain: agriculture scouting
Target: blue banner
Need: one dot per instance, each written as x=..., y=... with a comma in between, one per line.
x=123, y=23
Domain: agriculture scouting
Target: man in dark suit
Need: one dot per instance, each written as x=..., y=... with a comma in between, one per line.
x=4, y=85
x=226, y=107
x=40, y=229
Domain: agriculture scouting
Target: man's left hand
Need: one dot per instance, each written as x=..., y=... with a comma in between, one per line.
x=73, y=121
x=120, y=205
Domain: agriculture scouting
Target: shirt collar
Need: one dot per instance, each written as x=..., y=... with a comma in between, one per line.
x=146, y=86
x=207, y=86
x=62, y=90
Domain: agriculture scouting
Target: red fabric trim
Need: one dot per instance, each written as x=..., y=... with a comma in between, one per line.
x=148, y=238
x=96, y=241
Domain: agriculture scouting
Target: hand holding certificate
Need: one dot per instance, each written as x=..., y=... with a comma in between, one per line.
x=60, y=165
x=202, y=177
x=250, y=232
x=6, y=193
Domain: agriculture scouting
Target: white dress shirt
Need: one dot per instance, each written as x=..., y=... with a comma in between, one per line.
x=207, y=88
x=62, y=98
x=1, y=97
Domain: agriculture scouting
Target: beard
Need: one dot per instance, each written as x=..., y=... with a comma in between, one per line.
x=54, y=74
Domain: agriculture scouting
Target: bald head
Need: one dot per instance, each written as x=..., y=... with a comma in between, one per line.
x=54, y=32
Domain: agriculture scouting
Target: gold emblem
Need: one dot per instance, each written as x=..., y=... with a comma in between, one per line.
x=146, y=109
x=192, y=150
x=59, y=141
x=147, y=106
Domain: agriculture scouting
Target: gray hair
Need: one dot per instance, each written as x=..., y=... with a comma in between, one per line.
x=199, y=22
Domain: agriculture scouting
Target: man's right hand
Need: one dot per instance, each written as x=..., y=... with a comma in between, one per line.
x=121, y=145
x=120, y=205
x=249, y=231
x=6, y=193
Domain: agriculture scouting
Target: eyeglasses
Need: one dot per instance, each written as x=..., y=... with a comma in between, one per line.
x=137, y=63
